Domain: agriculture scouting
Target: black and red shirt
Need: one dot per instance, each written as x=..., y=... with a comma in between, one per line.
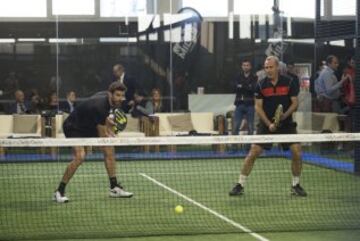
x=273, y=95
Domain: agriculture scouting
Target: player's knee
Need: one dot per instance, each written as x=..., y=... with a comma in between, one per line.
x=79, y=157
x=255, y=151
x=296, y=152
x=79, y=161
x=109, y=153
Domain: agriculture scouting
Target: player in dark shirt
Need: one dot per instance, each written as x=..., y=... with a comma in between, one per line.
x=275, y=89
x=92, y=119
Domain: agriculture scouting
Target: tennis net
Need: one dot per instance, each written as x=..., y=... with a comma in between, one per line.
x=196, y=172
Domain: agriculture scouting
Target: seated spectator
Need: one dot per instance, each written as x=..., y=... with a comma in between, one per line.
x=36, y=104
x=70, y=103
x=53, y=102
x=20, y=106
x=328, y=88
x=156, y=99
x=142, y=106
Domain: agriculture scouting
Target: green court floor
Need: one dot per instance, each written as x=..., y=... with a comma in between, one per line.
x=267, y=211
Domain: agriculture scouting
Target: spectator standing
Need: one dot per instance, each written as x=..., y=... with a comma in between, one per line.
x=53, y=102
x=245, y=85
x=328, y=88
x=122, y=77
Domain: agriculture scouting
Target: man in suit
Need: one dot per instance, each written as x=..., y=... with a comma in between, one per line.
x=70, y=103
x=121, y=76
x=20, y=106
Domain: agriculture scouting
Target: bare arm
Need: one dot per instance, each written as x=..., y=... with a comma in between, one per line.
x=260, y=111
x=292, y=108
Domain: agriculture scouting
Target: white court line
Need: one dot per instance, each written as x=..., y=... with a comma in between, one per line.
x=222, y=217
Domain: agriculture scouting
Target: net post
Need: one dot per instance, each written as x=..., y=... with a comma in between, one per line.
x=150, y=127
x=356, y=109
x=2, y=152
x=143, y=122
x=48, y=130
x=220, y=122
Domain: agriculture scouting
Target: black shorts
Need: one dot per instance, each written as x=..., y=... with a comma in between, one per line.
x=288, y=128
x=71, y=131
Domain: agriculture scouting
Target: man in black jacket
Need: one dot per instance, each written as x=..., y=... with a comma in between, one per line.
x=245, y=84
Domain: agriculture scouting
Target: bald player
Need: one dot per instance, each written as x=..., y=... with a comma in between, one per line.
x=273, y=90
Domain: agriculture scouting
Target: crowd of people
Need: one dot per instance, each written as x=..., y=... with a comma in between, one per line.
x=334, y=87
x=137, y=101
x=35, y=103
x=332, y=90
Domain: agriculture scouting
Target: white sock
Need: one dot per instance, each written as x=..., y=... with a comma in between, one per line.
x=242, y=179
x=295, y=180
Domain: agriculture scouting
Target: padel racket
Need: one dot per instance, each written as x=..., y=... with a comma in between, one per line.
x=277, y=116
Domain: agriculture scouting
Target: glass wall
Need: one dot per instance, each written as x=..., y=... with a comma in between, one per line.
x=182, y=47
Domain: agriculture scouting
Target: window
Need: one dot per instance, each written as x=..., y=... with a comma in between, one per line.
x=303, y=9
x=120, y=8
x=256, y=7
x=174, y=35
x=28, y=8
x=206, y=9
x=72, y=7
x=144, y=22
x=344, y=7
x=175, y=18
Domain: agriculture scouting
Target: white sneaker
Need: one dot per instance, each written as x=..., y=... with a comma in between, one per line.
x=120, y=192
x=60, y=198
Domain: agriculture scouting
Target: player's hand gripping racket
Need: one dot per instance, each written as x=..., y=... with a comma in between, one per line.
x=120, y=120
x=277, y=117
